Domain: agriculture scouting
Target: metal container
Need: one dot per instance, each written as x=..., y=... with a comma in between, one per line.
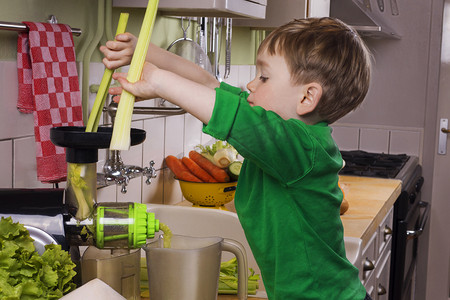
x=118, y=268
x=190, y=268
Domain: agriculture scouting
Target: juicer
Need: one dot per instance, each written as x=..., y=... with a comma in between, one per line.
x=72, y=218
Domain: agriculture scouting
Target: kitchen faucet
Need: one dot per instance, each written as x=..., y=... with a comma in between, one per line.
x=114, y=170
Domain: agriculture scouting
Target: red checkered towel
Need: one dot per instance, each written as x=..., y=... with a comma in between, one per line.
x=48, y=87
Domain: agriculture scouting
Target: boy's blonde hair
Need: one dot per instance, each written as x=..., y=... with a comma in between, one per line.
x=329, y=52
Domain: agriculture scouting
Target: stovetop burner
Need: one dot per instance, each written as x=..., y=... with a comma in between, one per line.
x=361, y=163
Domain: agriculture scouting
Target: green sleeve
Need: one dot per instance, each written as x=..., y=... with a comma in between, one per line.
x=230, y=88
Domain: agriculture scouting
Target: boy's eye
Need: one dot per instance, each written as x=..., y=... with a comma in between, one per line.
x=263, y=79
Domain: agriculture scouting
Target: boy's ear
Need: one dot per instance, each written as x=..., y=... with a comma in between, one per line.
x=309, y=98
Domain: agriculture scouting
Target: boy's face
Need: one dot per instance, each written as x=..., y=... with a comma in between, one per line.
x=272, y=88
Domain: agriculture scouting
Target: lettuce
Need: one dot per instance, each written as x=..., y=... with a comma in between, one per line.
x=24, y=274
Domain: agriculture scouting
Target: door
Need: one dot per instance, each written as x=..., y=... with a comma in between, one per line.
x=438, y=269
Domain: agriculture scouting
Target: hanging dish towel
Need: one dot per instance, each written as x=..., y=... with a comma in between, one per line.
x=48, y=88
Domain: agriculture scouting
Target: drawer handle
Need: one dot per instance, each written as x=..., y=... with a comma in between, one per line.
x=387, y=231
x=368, y=265
x=381, y=290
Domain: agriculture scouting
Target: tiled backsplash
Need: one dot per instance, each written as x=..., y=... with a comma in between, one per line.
x=175, y=135
x=379, y=139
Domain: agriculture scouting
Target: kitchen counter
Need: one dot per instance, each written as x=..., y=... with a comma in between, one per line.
x=370, y=199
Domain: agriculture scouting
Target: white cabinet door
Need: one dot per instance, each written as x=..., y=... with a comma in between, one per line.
x=280, y=12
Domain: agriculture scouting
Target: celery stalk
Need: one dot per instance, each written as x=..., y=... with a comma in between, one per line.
x=94, y=117
x=120, y=139
x=228, y=279
x=81, y=196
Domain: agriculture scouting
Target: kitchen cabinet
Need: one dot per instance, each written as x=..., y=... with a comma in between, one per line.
x=203, y=8
x=278, y=13
x=376, y=260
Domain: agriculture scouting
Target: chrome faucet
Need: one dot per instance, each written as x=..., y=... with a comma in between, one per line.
x=115, y=172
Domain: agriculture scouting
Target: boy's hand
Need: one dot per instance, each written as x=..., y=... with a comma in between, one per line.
x=119, y=52
x=141, y=89
x=194, y=97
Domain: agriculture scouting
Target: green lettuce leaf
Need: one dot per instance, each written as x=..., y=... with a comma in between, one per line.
x=26, y=275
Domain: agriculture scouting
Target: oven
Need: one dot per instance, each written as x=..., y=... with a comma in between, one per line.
x=410, y=212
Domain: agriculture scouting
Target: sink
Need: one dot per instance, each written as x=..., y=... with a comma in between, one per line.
x=353, y=249
x=204, y=222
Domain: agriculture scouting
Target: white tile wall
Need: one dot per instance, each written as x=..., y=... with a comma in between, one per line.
x=408, y=142
x=175, y=135
x=24, y=170
x=6, y=163
x=153, y=149
x=374, y=140
x=347, y=138
x=379, y=139
x=14, y=123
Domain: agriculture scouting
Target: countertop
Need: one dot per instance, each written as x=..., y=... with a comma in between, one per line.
x=370, y=199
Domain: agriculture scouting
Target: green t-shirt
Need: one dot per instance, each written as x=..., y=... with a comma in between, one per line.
x=288, y=199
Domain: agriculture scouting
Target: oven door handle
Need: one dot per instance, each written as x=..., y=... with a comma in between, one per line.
x=413, y=234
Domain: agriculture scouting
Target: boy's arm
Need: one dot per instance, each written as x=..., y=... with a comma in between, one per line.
x=119, y=53
x=196, y=98
x=166, y=60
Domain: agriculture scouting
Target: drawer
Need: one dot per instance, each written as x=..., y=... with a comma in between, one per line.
x=383, y=273
x=385, y=231
x=368, y=258
x=369, y=284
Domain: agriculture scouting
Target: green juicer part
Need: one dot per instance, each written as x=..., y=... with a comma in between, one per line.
x=130, y=226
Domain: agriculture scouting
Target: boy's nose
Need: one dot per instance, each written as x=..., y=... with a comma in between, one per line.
x=251, y=86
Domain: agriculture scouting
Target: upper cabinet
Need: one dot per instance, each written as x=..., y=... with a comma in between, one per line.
x=280, y=12
x=204, y=8
x=369, y=17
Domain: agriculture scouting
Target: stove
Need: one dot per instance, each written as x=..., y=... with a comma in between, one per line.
x=410, y=212
x=380, y=165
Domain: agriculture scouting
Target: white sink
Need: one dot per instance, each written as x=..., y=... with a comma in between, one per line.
x=204, y=222
x=353, y=249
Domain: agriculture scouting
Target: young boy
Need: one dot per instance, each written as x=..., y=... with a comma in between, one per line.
x=310, y=73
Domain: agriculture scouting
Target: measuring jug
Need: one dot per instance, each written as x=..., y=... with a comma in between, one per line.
x=190, y=268
x=119, y=268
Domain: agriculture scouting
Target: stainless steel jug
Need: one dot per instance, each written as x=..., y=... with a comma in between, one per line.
x=190, y=268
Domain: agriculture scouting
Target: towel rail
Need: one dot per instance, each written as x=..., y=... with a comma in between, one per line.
x=20, y=27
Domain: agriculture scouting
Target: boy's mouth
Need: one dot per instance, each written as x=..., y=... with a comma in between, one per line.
x=250, y=101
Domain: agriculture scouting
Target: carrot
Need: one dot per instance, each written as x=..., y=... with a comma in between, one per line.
x=180, y=171
x=197, y=170
x=219, y=174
